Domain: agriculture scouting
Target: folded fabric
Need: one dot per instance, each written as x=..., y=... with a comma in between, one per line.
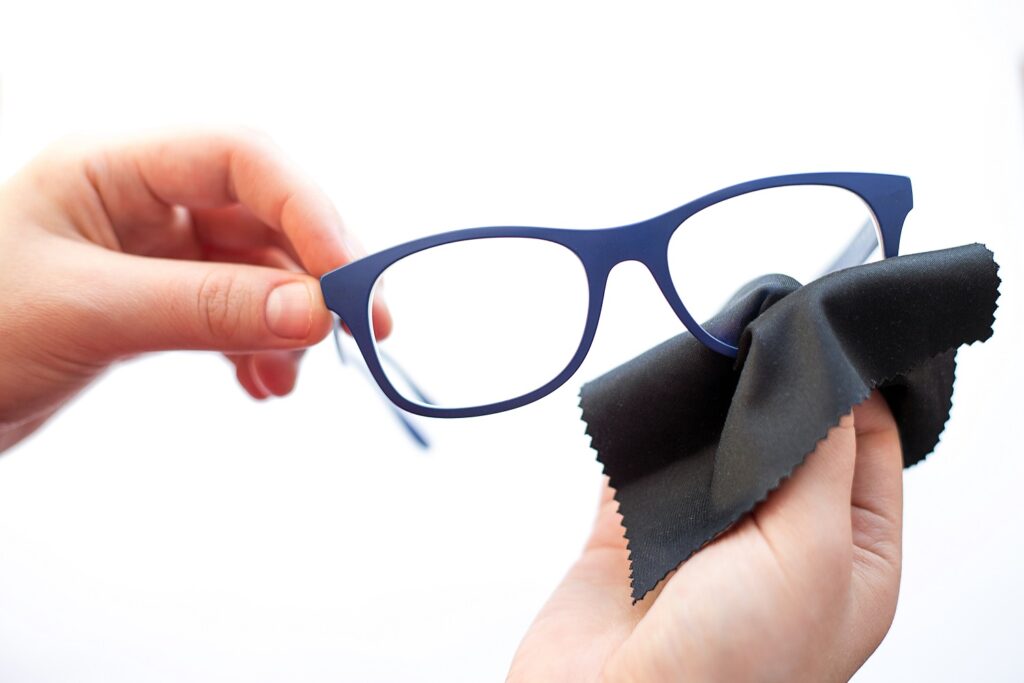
x=692, y=440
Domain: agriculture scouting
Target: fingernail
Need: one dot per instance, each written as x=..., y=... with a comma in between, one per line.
x=290, y=311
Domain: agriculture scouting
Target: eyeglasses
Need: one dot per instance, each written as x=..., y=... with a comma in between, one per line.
x=490, y=319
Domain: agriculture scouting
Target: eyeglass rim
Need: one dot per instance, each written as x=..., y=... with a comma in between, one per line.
x=347, y=290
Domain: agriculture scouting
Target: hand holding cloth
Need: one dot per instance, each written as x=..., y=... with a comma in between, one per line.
x=691, y=440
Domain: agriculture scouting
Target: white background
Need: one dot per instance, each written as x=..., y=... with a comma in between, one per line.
x=166, y=528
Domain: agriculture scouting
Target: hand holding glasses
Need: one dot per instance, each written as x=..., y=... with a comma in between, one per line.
x=490, y=319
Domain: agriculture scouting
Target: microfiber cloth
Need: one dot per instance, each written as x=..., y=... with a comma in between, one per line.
x=691, y=440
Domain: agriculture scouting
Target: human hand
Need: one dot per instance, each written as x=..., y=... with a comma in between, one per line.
x=803, y=588
x=194, y=240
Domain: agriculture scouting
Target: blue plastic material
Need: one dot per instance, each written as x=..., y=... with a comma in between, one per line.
x=347, y=289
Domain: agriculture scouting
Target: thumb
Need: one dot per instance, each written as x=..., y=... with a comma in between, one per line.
x=160, y=304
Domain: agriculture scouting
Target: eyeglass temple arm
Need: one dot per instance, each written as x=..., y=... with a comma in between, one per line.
x=419, y=393
x=858, y=250
x=414, y=433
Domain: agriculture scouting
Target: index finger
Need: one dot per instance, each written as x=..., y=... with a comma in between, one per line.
x=209, y=169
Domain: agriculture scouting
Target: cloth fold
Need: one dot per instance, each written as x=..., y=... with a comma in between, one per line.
x=691, y=440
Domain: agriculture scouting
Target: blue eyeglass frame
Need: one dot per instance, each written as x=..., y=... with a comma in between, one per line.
x=347, y=290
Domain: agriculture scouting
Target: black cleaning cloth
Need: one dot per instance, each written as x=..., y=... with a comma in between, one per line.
x=691, y=440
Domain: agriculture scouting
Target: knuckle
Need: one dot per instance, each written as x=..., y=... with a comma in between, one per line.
x=97, y=168
x=247, y=138
x=73, y=145
x=70, y=152
x=220, y=305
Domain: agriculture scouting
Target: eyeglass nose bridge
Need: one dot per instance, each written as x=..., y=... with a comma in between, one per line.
x=645, y=243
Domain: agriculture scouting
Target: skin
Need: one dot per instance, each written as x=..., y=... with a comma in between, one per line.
x=802, y=589
x=185, y=240
x=174, y=241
